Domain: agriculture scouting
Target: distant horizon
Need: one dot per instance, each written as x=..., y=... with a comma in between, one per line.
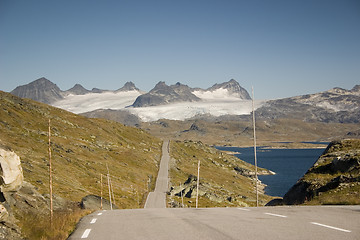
x=281, y=48
x=204, y=88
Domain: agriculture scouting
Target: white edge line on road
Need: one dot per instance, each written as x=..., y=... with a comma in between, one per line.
x=93, y=220
x=275, y=215
x=86, y=233
x=100, y=213
x=244, y=209
x=327, y=226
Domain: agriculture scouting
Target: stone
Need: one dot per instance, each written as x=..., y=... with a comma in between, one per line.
x=93, y=202
x=11, y=175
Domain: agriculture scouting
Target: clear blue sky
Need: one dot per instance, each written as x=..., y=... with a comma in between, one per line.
x=282, y=48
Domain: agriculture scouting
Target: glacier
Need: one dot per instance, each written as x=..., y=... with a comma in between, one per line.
x=215, y=103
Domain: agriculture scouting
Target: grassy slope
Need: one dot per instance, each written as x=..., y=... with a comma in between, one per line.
x=81, y=150
x=216, y=172
x=320, y=175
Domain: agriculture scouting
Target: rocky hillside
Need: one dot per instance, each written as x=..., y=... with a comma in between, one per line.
x=82, y=149
x=333, y=179
x=336, y=105
x=225, y=181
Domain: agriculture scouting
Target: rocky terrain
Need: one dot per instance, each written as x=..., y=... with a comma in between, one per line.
x=233, y=186
x=336, y=105
x=333, y=179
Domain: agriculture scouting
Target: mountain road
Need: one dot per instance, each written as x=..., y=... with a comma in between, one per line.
x=157, y=222
x=304, y=222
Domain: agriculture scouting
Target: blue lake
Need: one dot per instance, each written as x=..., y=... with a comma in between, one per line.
x=289, y=165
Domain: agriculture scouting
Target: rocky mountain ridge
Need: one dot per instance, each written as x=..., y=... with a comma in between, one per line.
x=45, y=91
x=163, y=94
x=180, y=102
x=335, y=105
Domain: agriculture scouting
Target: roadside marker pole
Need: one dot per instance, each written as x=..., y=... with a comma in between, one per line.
x=182, y=198
x=101, y=192
x=112, y=191
x=197, y=185
x=256, y=176
x=50, y=180
x=108, y=179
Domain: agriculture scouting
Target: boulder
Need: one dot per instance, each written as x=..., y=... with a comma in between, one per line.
x=93, y=202
x=11, y=174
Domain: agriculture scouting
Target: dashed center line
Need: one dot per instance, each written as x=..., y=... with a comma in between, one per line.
x=86, y=233
x=331, y=227
x=244, y=209
x=100, y=213
x=275, y=215
x=93, y=220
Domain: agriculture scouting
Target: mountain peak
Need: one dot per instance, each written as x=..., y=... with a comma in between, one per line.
x=78, y=89
x=41, y=90
x=160, y=85
x=163, y=94
x=128, y=86
x=233, y=88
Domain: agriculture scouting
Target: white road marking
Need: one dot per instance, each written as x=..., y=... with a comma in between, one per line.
x=331, y=227
x=93, y=220
x=86, y=233
x=100, y=213
x=275, y=215
x=244, y=209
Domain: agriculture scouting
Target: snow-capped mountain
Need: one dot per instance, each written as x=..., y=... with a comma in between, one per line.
x=180, y=102
x=163, y=94
x=230, y=89
x=177, y=102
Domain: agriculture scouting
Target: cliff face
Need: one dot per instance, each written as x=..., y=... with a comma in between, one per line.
x=333, y=179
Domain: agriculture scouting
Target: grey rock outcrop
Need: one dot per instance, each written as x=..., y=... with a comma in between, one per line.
x=93, y=202
x=11, y=177
x=11, y=180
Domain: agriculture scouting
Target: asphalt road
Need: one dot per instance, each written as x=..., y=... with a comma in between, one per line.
x=157, y=222
x=315, y=222
x=157, y=199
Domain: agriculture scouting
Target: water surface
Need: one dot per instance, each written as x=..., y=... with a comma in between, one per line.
x=289, y=165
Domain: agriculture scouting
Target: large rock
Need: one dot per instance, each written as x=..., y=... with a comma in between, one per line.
x=93, y=202
x=11, y=174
